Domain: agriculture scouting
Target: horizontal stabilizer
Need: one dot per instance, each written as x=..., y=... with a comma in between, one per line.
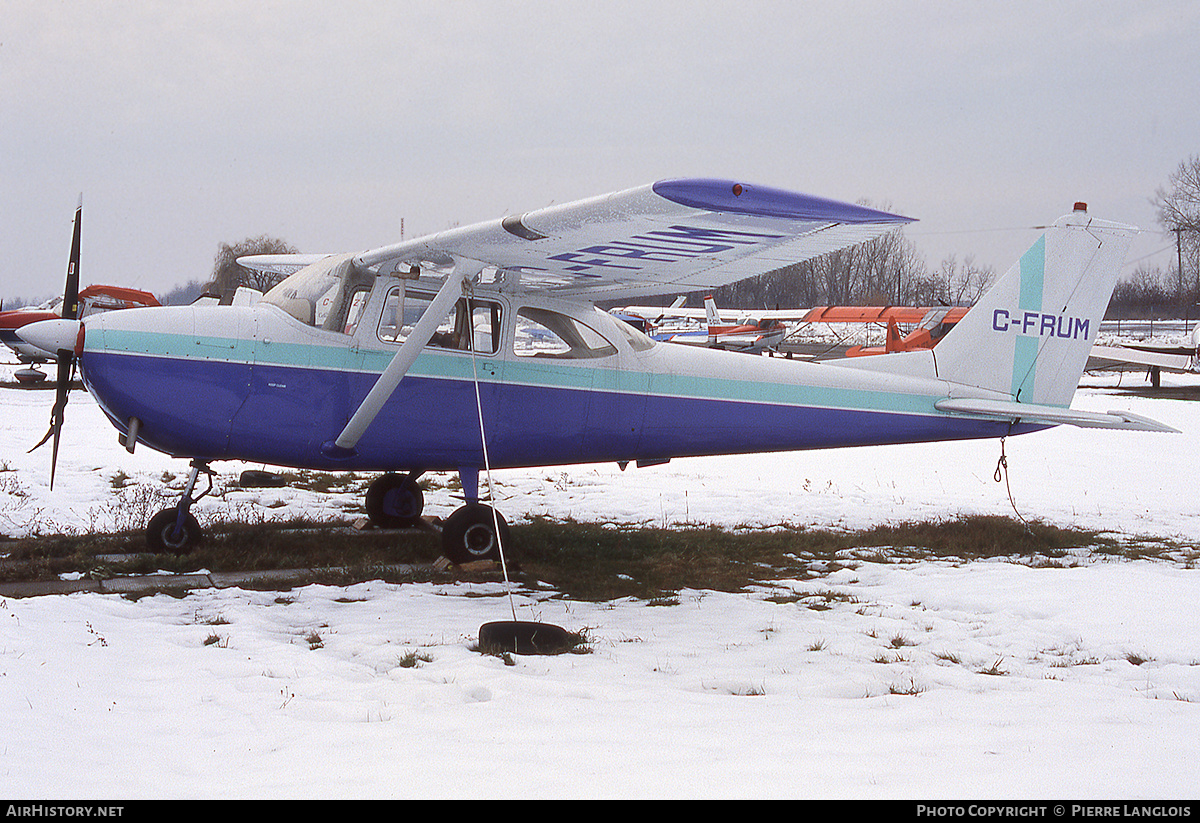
x=1051, y=415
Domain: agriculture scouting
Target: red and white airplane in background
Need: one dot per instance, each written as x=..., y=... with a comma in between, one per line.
x=93, y=299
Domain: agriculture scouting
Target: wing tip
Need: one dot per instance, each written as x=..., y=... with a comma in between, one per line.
x=711, y=194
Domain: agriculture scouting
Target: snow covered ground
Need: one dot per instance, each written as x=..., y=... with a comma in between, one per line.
x=928, y=680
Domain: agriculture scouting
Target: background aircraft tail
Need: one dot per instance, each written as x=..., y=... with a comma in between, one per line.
x=1029, y=336
x=711, y=315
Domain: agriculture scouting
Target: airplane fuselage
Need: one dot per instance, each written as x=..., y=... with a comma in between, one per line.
x=258, y=384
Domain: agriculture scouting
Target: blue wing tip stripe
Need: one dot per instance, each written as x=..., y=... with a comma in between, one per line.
x=746, y=198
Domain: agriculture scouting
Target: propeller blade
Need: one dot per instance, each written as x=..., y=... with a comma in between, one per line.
x=70, y=306
x=64, y=356
x=66, y=373
x=66, y=370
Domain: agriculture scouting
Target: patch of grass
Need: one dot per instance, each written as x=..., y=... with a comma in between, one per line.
x=592, y=561
x=749, y=691
x=784, y=599
x=995, y=670
x=585, y=561
x=1069, y=662
x=413, y=659
x=911, y=689
x=270, y=545
x=604, y=562
x=978, y=536
x=318, y=481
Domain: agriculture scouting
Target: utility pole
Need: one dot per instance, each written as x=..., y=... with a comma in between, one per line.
x=1179, y=263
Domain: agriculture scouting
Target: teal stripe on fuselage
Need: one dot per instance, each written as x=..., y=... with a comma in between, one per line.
x=162, y=344
x=1025, y=350
x=519, y=371
x=789, y=394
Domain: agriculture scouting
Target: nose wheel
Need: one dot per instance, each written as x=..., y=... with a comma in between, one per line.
x=166, y=535
x=176, y=530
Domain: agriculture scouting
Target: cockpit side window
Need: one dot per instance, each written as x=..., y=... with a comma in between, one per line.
x=463, y=329
x=358, y=302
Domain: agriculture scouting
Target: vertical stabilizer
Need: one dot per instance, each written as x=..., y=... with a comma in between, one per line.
x=1029, y=336
x=712, y=318
x=711, y=315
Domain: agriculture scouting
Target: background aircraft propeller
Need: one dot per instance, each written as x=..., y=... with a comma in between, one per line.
x=65, y=356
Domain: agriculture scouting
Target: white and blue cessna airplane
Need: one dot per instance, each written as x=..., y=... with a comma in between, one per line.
x=481, y=347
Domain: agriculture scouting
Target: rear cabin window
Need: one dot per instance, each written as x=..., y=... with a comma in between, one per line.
x=545, y=333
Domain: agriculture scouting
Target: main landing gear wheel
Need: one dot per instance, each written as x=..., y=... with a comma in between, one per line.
x=469, y=534
x=163, y=537
x=394, y=501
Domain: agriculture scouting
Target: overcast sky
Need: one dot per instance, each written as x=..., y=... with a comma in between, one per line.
x=186, y=125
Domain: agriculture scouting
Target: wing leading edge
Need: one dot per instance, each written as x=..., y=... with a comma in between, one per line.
x=674, y=235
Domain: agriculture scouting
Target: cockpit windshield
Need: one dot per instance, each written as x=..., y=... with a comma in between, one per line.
x=321, y=294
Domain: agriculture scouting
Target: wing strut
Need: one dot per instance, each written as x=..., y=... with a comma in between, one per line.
x=422, y=333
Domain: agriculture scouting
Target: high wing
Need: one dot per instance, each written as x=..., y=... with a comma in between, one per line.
x=669, y=236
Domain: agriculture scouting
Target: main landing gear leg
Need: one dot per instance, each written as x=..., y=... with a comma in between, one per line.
x=176, y=529
x=473, y=531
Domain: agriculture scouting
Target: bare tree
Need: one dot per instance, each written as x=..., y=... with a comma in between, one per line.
x=887, y=270
x=228, y=275
x=963, y=286
x=1179, y=213
x=1179, y=206
x=1147, y=293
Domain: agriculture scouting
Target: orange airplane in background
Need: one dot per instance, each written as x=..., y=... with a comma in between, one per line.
x=932, y=324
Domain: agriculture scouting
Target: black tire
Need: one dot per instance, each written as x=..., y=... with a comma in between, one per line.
x=394, y=501
x=256, y=479
x=469, y=534
x=525, y=638
x=160, y=535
